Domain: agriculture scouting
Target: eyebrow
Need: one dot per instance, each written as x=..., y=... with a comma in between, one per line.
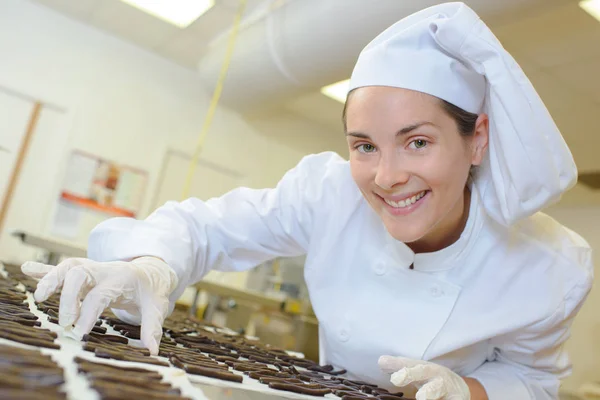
x=402, y=131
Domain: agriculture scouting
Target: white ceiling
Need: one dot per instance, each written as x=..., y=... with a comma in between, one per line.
x=184, y=46
x=559, y=50
x=556, y=43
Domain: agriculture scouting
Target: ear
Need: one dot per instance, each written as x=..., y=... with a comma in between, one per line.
x=479, y=142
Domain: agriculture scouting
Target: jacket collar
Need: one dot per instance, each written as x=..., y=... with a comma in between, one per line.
x=447, y=257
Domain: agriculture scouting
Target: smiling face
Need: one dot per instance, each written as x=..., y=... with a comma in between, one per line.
x=411, y=163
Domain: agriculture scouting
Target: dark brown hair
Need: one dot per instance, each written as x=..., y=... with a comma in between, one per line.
x=465, y=121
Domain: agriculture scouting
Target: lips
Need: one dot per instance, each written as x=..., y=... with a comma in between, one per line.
x=407, y=201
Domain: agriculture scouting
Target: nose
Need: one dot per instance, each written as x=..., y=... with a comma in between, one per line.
x=391, y=172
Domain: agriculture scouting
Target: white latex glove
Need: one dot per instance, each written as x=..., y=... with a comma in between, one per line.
x=140, y=287
x=434, y=381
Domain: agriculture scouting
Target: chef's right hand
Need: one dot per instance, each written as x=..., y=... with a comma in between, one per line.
x=138, y=289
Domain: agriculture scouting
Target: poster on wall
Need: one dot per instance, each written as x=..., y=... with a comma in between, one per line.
x=100, y=185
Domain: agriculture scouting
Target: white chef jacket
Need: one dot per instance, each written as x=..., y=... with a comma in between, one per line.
x=496, y=305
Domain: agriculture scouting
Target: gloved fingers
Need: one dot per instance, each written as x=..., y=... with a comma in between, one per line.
x=390, y=364
x=433, y=390
x=154, y=310
x=54, y=277
x=413, y=375
x=128, y=314
x=76, y=281
x=35, y=269
x=96, y=301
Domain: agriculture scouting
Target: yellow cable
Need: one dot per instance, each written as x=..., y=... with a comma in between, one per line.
x=277, y=273
x=214, y=101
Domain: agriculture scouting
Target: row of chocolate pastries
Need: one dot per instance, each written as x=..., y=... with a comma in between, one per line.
x=215, y=363
x=17, y=322
x=27, y=374
x=204, y=349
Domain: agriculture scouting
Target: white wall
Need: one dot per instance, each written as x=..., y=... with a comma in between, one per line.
x=125, y=104
x=27, y=201
x=584, y=345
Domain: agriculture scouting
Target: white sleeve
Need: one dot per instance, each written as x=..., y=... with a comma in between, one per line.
x=235, y=232
x=529, y=365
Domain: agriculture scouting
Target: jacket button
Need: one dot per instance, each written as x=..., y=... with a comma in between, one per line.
x=436, y=291
x=379, y=268
x=344, y=335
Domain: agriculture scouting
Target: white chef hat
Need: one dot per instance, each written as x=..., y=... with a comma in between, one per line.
x=448, y=52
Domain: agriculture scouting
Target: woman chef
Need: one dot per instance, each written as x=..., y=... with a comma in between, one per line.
x=426, y=245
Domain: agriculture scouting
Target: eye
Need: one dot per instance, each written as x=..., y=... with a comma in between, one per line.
x=419, y=143
x=366, y=148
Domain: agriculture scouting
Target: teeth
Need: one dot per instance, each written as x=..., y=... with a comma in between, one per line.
x=406, y=202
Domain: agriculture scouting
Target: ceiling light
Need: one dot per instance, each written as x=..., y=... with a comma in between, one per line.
x=177, y=12
x=592, y=7
x=337, y=91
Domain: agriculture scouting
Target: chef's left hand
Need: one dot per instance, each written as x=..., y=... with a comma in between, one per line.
x=434, y=381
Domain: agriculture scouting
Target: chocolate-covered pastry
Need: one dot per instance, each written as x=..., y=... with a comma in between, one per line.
x=268, y=379
x=212, y=372
x=264, y=373
x=99, y=329
x=180, y=361
x=132, y=357
x=113, y=382
x=357, y=383
x=89, y=366
x=92, y=346
x=130, y=331
x=28, y=374
x=106, y=338
x=17, y=323
x=303, y=389
x=342, y=393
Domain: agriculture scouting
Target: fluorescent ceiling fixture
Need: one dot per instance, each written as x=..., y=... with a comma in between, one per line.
x=337, y=91
x=177, y=12
x=592, y=7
